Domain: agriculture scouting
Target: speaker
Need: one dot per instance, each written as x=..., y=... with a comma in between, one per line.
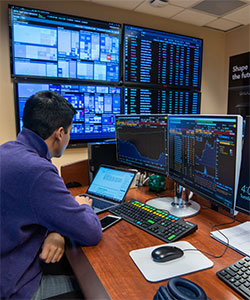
x=101, y=153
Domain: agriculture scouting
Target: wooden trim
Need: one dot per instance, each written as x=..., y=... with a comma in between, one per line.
x=88, y=281
x=77, y=172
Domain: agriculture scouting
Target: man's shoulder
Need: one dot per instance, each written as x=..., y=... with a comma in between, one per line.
x=18, y=157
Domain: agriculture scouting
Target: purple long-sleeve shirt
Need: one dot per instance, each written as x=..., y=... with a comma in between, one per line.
x=34, y=200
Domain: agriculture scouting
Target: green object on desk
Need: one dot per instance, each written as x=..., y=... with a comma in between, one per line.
x=156, y=183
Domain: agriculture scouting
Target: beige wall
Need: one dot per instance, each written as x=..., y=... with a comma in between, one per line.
x=218, y=46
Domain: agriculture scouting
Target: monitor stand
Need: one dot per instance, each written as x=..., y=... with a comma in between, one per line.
x=181, y=205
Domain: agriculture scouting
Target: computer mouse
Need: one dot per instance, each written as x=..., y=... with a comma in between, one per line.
x=166, y=253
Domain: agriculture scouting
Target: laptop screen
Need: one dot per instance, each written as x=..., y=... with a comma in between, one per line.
x=111, y=183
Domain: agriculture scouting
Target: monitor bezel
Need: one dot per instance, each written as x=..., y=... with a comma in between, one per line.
x=157, y=85
x=212, y=200
x=141, y=167
x=63, y=79
x=73, y=143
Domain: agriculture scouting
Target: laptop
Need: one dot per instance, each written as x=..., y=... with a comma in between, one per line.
x=109, y=187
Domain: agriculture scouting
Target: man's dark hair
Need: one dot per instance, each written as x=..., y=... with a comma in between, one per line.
x=46, y=111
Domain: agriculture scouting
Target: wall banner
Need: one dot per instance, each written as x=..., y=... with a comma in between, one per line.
x=239, y=85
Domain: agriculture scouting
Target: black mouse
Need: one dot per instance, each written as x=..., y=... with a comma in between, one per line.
x=166, y=253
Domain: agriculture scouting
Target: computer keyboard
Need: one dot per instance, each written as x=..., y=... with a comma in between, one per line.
x=100, y=204
x=161, y=224
x=237, y=276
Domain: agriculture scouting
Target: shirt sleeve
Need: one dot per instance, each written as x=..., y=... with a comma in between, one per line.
x=55, y=209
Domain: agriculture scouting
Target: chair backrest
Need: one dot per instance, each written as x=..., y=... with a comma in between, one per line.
x=76, y=172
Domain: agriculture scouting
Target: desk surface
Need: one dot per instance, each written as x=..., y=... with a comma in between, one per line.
x=106, y=270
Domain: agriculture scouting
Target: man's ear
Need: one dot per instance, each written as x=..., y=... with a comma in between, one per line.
x=59, y=133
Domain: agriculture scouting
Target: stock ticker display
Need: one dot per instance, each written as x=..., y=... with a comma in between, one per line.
x=142, y=141
x=95, y=106
x=202, y=155
x=158, y=101
x=156, y=57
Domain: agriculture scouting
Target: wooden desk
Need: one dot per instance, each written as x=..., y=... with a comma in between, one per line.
x=106, y=270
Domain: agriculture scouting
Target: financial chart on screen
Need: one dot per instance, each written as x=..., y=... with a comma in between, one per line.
x=159, y=101
x=48, y=44
x=204, y=155
x=157, y=57
x=142, y=141
x=96, y=107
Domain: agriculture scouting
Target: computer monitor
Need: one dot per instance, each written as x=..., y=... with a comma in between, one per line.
x=243, y=193
x=47, y=44
x=96, y=108
x=161, y=58
x=160, y=101
x=142, y=141
x=204, y=157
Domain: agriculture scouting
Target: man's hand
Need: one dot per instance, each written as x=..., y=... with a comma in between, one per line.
x=52, y=248
x=83, y=200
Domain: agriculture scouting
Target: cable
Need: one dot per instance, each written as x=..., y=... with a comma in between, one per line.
x=227, y=244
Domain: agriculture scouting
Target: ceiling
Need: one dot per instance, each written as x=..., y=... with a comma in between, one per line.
x=223, y=15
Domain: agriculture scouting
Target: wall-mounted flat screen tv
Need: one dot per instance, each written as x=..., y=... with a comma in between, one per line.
x=96, y=108
x=146, y=100
x=45, y=44
x=161, y=58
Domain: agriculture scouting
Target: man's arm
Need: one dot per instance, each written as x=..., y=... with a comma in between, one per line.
x=55, y=209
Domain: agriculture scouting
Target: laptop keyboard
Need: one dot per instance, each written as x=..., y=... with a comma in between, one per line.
x=100, y=203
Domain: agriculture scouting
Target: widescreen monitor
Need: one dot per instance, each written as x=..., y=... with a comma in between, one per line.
x=243, y=192
x=161, y=58
x=142, y=141
x=160, y=101
x=47, y=44
x=96, y=108
x=205, y=155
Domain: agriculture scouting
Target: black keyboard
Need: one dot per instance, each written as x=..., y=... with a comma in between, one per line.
x=237, y=276
x=161, y=224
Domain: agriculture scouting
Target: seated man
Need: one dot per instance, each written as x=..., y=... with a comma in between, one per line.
x=37, y=210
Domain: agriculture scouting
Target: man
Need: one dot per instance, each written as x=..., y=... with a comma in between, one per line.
x=37, y=210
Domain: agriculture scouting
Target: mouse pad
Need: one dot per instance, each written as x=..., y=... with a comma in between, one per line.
x=191, y=261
